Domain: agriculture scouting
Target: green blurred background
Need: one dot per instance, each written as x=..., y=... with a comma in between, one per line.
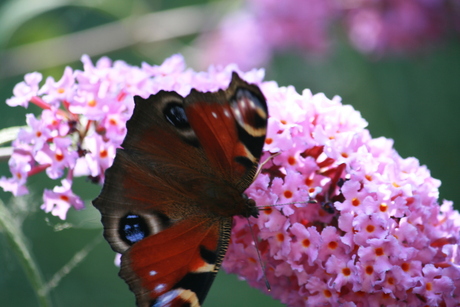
x=414, y=100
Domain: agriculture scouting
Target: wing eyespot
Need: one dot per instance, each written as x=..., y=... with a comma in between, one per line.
x=249, y=109
x=175, y=115
x=133, y=228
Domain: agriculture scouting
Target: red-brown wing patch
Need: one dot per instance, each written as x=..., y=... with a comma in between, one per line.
x=215, y=128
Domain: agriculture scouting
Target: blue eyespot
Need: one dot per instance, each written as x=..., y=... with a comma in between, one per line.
x=133, y=228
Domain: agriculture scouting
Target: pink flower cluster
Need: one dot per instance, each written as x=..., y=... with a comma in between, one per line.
x=82, y=122
x=365, y=228
x=250, y=36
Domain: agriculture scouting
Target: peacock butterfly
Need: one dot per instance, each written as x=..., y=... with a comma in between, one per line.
x=169, y=198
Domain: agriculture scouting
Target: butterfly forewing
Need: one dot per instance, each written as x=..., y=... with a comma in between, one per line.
x=169, y=198
x=237, y=120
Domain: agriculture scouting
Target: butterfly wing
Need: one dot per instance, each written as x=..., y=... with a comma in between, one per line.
x=163, y=203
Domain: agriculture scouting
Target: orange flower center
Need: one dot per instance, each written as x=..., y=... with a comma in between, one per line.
x=59, y=157
x=370, y=228
x=280, y=237
x=369, y=270
x=287, y=194
x=306, y=242
x=355, y=202
x=103, y=153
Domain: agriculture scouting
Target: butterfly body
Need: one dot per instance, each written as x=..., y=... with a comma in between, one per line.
x=168, y=200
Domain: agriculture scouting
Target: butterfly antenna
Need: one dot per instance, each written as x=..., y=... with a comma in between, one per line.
x=259, y=169
x=311, y=201
x=262, y=264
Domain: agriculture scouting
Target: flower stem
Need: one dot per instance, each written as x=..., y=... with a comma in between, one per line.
x=9, y=134
x=18, y=244
x=76, y=260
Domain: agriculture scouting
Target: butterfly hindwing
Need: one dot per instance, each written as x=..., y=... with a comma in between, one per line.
x=178, y=273
x=169, y=198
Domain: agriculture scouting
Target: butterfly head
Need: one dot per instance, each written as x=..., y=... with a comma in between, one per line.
x=251, y=207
